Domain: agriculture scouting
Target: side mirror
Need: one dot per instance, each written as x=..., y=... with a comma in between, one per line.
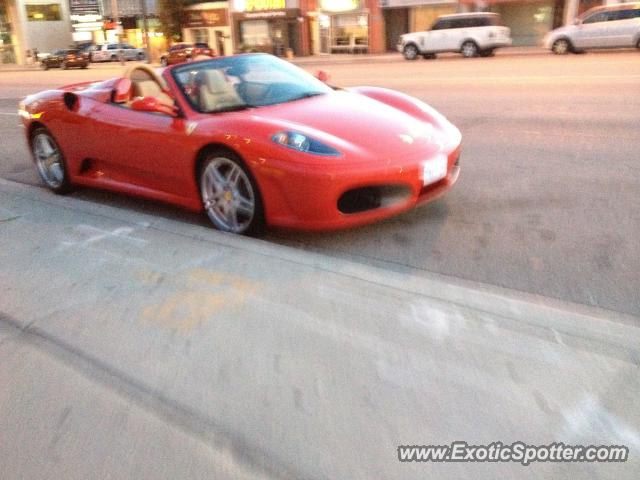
x=322, y=76
x=122, y=90
x=154, y=105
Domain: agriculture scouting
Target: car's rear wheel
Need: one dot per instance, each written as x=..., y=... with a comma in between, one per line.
x=410, y=52
x=49, y=160
x=469, y=49
x=230, y=195
x=561, y=46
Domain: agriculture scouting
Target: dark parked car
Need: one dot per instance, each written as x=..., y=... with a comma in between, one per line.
x=65, y=58
x=184, y=52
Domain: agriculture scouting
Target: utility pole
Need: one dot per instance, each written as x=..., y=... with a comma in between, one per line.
x=145, y=31
x=114, y=15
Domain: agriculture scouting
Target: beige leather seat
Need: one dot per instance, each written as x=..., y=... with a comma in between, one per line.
x=150, y=88
x=216, y=92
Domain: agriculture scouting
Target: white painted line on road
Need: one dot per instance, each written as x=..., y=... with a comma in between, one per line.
x=9, y=113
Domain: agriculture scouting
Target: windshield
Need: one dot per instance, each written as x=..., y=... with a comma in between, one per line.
x=244, y=81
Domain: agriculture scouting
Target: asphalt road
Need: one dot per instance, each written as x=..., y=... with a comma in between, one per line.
x=548, y=198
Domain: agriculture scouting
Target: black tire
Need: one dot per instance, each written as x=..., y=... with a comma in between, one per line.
x=469, y=49
x=60, y=185
x=222, y=197
x=140, y=56
x=164, y=62
x=561, y=46
x=489, y=52
x=114, y=58
x=429, y=56
x=85, y=65
x=45, y=66
x=638, y=44
x=410, y=52
x=64, y=65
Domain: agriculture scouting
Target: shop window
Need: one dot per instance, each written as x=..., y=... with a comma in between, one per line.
x=44, y=13
x=255, y=33
x=200, y=35
x=350, y=33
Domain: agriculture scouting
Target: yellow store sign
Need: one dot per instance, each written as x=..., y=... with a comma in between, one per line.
x=339, y=5
x=256, y=5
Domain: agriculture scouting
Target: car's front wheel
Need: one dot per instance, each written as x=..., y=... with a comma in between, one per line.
x=561, y=46
x=230, y=195
x=49, y=160
x=410, y=52
x=469, y=49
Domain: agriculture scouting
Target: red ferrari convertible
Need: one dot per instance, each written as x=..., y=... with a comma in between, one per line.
x=250, y=139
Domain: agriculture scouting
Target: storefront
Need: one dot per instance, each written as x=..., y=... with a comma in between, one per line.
x=26, y=25
x=8, y=40
x=403, y=16
x=86, y=21
x=209, y=23
x=529, y=20
x=344, y=26
x=273, y=26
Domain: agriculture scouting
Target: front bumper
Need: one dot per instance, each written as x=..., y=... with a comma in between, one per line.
x=307, y=199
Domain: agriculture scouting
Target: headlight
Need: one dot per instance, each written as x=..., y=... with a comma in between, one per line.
x=303, y=143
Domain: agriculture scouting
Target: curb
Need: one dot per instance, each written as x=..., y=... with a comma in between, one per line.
x=321, y=59
x=576, y=320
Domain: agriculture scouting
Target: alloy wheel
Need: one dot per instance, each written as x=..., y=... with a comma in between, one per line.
x=228, y=195
x=410, y=52
x=560, y=47
x=469, y=49
x=48, y=160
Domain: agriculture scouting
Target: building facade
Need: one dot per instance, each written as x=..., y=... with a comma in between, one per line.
x=26, y=25
x=209, y=23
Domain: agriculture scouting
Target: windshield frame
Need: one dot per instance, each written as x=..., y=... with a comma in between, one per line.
x=316, y=87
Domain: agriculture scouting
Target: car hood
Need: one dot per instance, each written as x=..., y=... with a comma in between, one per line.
x=355, y=123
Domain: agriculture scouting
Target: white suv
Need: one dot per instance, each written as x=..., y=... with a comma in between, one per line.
x=471, y=34
x=612, y=26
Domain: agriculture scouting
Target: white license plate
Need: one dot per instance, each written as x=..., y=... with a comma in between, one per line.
x=434, y=170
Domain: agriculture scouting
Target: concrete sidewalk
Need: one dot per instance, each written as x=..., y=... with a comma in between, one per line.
x=133, y=346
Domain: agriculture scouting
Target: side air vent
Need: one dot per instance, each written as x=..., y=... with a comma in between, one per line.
x=71, y=101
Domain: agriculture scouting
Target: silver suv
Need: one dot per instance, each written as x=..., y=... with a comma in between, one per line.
x=471, y=34
x=611, y=26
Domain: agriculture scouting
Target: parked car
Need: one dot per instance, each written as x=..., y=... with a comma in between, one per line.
x=611, y=26
x=109, y=52
x=258, y=141
x=471, y=34
x=184, y=52
x=65, y=58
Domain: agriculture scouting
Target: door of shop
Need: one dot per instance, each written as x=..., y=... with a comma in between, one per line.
x=396, y=23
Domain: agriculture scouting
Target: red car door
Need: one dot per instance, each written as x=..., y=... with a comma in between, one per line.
x=142, y=148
